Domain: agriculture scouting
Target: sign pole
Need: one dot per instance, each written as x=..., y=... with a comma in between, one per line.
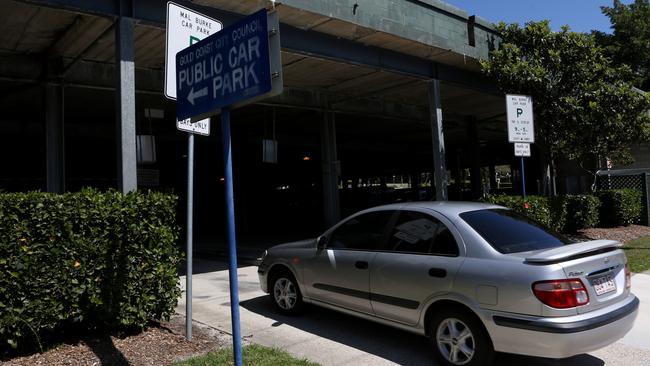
x=521, y=130
x=232, y=241
x=523, y=179
x=190, y=232
x=238, y=65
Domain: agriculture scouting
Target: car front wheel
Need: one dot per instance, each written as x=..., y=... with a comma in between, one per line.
x=460, y=340
x=286, y=294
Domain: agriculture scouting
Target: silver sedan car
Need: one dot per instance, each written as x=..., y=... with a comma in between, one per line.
x=475, y=278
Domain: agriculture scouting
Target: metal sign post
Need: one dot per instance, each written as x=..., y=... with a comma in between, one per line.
x=185, y=27
x=190, y=231
x=234, y=67
x=521, y=129
x=232, y=240
x=522, y=150
x=523, y=179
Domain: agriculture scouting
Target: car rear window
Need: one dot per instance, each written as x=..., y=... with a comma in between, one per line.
x=510, y=232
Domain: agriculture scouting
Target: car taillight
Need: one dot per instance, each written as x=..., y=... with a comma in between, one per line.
x=628, y=276
x=561, y=294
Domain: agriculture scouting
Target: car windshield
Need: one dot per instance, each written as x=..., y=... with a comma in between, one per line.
x=510, y=232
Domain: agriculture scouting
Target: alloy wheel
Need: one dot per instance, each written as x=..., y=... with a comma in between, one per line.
x=455, y=341
x=284, y=293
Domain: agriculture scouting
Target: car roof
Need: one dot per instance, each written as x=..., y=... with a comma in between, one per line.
x=447, y=208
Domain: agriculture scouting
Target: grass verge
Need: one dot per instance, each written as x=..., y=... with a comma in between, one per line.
x=638, y=254
x=252, y=355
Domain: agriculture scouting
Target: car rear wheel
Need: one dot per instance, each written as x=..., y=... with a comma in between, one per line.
x=286, y=294
x=460, y=340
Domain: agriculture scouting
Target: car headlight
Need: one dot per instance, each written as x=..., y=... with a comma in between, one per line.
x=262, y=258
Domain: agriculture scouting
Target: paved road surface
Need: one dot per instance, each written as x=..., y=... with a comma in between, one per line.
x=330, y=338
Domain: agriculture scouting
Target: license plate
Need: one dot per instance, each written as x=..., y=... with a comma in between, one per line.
x=604, y=284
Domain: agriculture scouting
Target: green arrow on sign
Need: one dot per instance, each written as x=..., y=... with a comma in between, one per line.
x=193, y=40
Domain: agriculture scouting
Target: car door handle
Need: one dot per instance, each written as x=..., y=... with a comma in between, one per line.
x=438, y=272
x=361, y=264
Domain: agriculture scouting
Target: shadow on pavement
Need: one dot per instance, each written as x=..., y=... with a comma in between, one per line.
x=389, y=343
x=206, y=265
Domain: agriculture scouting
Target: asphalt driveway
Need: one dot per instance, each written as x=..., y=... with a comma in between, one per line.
x=330, y=338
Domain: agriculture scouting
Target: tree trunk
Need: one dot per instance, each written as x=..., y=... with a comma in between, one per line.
x=553, y=175
x=548, y=172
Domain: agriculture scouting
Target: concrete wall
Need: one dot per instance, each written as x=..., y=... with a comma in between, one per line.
x=431, y=22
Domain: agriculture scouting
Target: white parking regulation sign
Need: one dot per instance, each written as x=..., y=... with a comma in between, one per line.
x=522, y=149
x=520, y=118
x=184, y=28
x=201, y=127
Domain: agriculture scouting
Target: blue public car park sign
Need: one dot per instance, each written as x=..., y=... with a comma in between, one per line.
x=238, y=65
x=224, y=69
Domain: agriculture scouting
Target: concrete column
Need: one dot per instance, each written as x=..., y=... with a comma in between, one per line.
x=415, y=186
x=475, y=153
x=54, y=138
x=458, y=174
x=330, y=164
x=438, y=138
x=493, y=178
x=127, y=177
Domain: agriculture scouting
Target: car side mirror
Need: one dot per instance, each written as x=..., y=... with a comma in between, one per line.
x=321, y=242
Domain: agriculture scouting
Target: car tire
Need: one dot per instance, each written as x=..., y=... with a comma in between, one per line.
x=459, y=339
x=285, y=294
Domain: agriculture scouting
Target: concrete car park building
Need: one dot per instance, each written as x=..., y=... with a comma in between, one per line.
x=383, y=101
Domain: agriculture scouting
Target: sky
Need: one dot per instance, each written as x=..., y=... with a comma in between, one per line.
x=580, y=15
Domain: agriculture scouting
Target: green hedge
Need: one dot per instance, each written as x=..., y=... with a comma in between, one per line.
x=620, y=207
x=563, y=213
x=581, y=212
x=539, y=208
x=99, y=259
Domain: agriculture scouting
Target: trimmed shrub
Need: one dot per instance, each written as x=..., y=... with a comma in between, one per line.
x=581, y=212
x=562, y=213
x=98, y=259
x=558, y=207
x=620, y=207
x=538, y=209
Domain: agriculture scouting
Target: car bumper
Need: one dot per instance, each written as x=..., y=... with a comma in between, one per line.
x=562, y=337
x=262, y=274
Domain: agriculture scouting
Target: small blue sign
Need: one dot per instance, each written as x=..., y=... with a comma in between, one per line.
x=224, y=69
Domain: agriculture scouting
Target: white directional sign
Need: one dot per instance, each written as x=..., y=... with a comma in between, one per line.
x=201, y=127
x=184, y=28
x=520, y=118
x=522, y=149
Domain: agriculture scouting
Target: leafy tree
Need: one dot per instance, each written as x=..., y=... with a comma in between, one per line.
x=630, y=42
x=584, y=105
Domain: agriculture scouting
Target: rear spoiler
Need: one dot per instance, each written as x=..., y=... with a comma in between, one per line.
x=573, y=250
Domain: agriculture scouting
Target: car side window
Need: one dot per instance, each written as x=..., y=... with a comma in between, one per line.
x=445, y=243
x=363, y=232
x=417, y=232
